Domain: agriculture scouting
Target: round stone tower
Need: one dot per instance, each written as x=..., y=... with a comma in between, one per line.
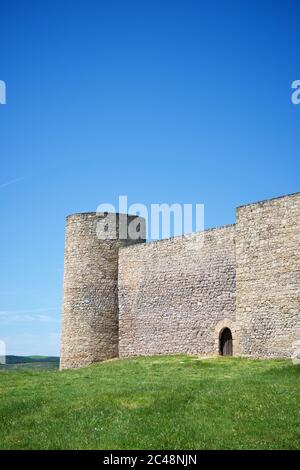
x=90, y=297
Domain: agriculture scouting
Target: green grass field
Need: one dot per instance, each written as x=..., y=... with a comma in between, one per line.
x=167, y=402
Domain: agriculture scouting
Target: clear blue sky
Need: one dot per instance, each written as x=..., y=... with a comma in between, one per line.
x=165, y=101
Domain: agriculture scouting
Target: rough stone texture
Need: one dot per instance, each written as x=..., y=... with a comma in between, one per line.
x=172, y=293
x=177, y=295
x=268, y=276
x=90, y=299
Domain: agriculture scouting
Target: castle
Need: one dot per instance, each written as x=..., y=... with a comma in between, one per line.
x=232, y=290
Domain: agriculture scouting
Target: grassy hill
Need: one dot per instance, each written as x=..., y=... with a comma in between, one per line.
x=174, y=402
x=30, y=359
x=30, y=362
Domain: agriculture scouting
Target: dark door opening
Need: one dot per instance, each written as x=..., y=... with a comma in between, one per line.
x=226, y=342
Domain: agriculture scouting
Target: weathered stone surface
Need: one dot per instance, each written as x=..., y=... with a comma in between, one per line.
x=90, y=298
x=173, y=292
x=122, y=297
x=268, y=276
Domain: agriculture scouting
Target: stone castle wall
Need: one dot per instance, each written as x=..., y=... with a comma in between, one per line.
x=174, y=293
x=268, y=276
x=122, y=297
x=90, y=297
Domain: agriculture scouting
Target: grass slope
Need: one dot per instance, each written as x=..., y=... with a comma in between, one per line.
x=174, y=402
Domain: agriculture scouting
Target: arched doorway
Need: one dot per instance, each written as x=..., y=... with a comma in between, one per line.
x=225, y=342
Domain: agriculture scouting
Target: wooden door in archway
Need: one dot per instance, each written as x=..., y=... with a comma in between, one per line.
x=226, y=342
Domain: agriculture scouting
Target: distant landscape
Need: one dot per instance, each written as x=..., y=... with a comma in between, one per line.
x=30, y=362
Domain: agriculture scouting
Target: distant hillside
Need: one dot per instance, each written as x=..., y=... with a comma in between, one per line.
x=29, y=359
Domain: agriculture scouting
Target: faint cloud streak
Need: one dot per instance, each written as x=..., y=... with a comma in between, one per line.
x=34, y=315
x=15, y=180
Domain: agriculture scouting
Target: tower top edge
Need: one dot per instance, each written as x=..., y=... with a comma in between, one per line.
x=95, y=214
